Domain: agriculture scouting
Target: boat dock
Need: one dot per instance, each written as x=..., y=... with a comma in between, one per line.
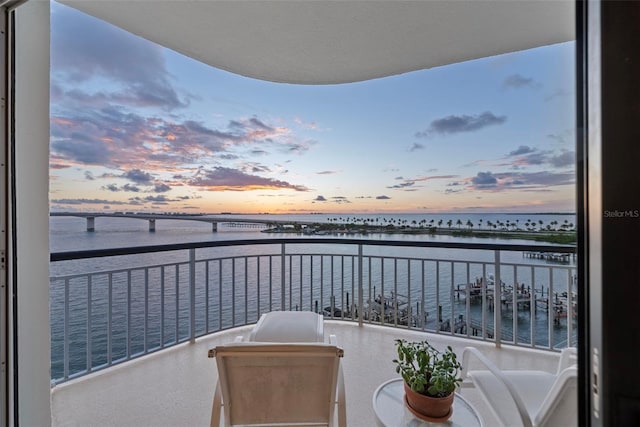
x=550, y=256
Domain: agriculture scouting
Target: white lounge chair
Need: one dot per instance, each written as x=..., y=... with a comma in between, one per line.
x=528, y=398
x=279, y=384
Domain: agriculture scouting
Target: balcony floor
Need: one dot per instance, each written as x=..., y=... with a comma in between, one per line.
x=174, y=387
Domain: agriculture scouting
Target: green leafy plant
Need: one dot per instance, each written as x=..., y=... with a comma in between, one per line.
x=426, y=370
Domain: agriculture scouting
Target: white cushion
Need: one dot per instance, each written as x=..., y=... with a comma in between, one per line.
x=289, y=326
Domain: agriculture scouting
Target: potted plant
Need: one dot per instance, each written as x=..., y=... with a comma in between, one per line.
x=430, y=378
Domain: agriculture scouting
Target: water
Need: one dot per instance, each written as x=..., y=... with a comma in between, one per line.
x=239, y=302
x=69, y=233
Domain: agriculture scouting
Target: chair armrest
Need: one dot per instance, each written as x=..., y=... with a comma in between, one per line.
x=568, y=357
x=563, y=380
x=340, y=392
x=467, y=352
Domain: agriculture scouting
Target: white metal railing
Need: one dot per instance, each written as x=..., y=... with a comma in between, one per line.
x=109, y=306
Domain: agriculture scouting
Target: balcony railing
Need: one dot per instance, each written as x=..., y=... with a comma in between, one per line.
x=113, y=305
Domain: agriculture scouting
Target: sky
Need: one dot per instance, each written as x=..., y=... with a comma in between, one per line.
x=138, y=127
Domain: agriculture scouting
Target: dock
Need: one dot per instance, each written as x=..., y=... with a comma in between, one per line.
x=550, y=256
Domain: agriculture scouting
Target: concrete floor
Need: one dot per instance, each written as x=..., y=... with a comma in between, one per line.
x=174, y=387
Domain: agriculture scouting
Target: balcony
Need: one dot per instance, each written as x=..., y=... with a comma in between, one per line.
x=129, y=342
x=175, y=386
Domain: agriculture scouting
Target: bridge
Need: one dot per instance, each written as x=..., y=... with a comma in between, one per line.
x=151, y=218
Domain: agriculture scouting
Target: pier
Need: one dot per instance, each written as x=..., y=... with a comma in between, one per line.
x=550, y=256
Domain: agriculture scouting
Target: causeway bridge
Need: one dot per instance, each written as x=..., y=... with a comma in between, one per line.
x=152, y=218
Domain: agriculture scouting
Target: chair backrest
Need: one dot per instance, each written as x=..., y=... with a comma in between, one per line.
x=568, y=357
x=289, y=327
x=560, y=406
x=274, y=383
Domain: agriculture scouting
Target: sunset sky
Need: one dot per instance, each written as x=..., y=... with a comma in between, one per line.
x=137, y=127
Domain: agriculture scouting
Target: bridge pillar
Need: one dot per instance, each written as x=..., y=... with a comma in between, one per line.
x=152, y=225
x=214, y=227
x=91, y=223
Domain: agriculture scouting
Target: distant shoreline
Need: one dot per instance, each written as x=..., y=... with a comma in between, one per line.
x=548, y=236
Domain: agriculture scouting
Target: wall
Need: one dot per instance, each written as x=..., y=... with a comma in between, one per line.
x=31, y=224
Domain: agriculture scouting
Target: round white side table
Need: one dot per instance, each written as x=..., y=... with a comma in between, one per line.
x=390, y=410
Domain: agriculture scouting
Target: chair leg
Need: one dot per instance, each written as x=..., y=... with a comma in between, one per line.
x=342, y=401
x=217, y=405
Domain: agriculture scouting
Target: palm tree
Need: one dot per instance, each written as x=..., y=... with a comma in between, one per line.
x=469, y=224
x=449, y=223
x=458, y=223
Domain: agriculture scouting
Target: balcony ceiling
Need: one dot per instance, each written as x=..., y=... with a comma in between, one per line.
x=323, y=42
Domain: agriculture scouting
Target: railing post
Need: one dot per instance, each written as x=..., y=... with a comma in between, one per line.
x=192, y=295
x=497, y=302
x=360, y=290
x=283, y=265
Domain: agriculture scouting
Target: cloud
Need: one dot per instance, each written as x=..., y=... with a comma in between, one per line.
x=484, y=179
x=132, y=188
x=457, y=124
x=520, y=181
x=161, y=188
x=383, y=197
x=252, y=167
x=523, y=149
x=88, y=176
x=82, y=148
x=517, y=81
x=340, y=199
x=227, y=179
x=327, y=172
x=127, y=187
x=403, y=184
x=86, y=202
x=566, y=158
x=320, y=199
x=527, y=156
x=138, y=176
x=259, y=152
x=117, y=138
x=533, y=158
x=85, y=49
x=416, y=146
x=558, y=93
x=412, y=181
x=157, y=199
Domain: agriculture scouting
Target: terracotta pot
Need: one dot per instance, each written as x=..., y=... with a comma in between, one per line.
x=431, y=407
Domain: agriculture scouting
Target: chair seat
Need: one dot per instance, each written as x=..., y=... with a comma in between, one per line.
x=289, y=327
x=532, y=386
